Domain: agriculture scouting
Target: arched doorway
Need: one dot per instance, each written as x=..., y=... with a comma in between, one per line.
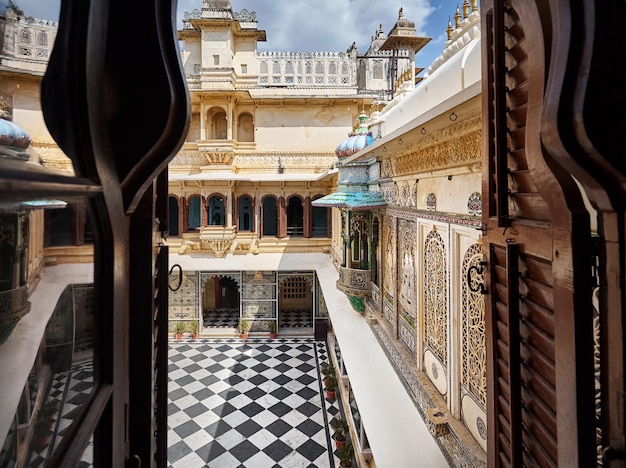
x=173, y=216
x=295, y=301
x=270, y=216
x=218, y=124
x=220, y=301
x=245, y=213
x=216, y=211
x=245, y=128
x=295, y=217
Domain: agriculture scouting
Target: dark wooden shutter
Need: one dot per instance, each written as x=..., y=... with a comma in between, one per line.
x=538, y=309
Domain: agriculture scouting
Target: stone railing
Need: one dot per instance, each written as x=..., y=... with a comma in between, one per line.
x=335, y=69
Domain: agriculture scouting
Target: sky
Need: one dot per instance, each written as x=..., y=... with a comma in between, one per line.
x=320, y=26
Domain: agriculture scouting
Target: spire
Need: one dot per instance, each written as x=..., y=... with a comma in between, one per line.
x=449, y=29
x=466, y=7
x=457, y=18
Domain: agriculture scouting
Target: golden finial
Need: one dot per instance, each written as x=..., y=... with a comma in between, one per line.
x=466, y=6
x=474, y=5
x=457, y=18
x=449, y=29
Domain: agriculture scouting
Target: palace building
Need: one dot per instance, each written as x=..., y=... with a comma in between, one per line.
x=452, y=232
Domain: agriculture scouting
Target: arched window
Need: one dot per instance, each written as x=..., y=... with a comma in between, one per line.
x=308, y=68
x=436, y=296
x=25, y=36
x=42, y=39
x=216, y=211
x=263, y=68
x=344, y=69
x=245, y=127
x=173, y=216
x=245, y=213
x=218, y=124
x=276, y=68
x=332, y=68
x=289, y=68
x=319, y=68
x=270, y=216
x=193, y=218
x=295, y=217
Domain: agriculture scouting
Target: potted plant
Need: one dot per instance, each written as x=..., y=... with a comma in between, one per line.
x=193, y=329
x=272, y=327
x=345, y=454
x=44, y=423
x=326, y=369
x=244, y=327
x=331, y=386
x=179, y=329
x=340, y=431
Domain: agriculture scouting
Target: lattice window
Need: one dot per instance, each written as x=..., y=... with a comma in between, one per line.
x=435, y=296
x=332, y=68
x=263, y=68
x=319, y=68
x=289, y=68
x=25, y=36
x=276, y=68
x=406, y=264
x=294, y=288
x=263, y=79
x=377, y=72
x=319, y=80
x=344, y=69
x=308, y=68
x=289, y=79
x=473, y=358
x=276, y=79
x=42, y=39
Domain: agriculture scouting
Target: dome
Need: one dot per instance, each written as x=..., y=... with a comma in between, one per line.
x=403, y=22
x=357, y=140
x=13, y=135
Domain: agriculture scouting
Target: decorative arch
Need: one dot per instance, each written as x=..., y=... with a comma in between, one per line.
x=25, y=36
x=42, y=39
x=217, y=123
x=216, y=209
x=289, y=68
x=319, y=68
x=263, y=68
x=332, y=68
x=473, y=344
x=436, y=296
x=221, y=299
x=245, y=213
x=245, y=127
x=194, y=212
x=276, y=68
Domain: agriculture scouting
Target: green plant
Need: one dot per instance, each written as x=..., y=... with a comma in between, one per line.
x=193, y=327
x=331, y=382
x=272, y=326
x=346, y=454
x=327, y=368
x=340, y=428
x=180, y=328
x=244, y=325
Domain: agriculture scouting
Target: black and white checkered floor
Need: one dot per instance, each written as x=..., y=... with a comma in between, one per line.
x=228, y=318
x=257, y=403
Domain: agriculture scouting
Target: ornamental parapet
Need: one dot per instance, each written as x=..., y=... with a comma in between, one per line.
x=355, y=282
x=14, y=305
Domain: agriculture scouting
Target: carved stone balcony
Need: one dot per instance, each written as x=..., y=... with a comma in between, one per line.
x=217, y=238
x=14, y=305
x=356, y=284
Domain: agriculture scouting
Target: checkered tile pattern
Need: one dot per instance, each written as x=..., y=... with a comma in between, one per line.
x=255, y=403
x=232, y=403
x=295, y=318
x=69, y=391
x=221, y=318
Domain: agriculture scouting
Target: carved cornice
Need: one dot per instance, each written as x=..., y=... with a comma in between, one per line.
x=456, y=145
x=219, y=157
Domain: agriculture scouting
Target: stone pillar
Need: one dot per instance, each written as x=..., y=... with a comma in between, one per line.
x=202, y=120
x=204, y=215
x=229, y=209
x=229, y=120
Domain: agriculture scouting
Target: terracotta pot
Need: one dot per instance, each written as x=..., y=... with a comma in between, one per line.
x=331, y=394
x=194, y=336
x=179, y=336
x=272, y=335
x=340, y=443
x=243, y=336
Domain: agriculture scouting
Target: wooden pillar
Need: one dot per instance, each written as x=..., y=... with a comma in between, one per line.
x=307, y=222
x=204, y=217
x=282, y=218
